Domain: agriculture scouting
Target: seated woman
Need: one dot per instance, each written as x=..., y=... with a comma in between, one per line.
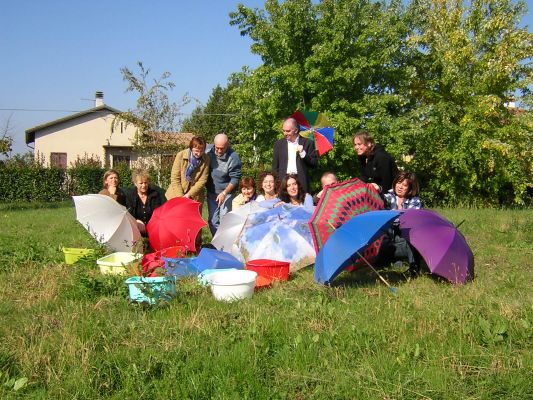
x=404, y=193
x=142, y=200
x=268, y=183
x=112, y=187
x=291, y=192
x=394, y=248
x=247, y=194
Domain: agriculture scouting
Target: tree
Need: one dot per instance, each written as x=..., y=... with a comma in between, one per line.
x=155, y=118
x=6, y=140
x=155, y=112
x=214, y=117
x=342, y=58
x=471, y=62
x=430, y=80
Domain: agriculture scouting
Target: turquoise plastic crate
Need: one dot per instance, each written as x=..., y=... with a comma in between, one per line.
x=151, y=290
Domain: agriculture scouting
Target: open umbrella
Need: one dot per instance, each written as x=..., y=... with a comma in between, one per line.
x=177, y=222
x=440, y=243
x=107, y=221
x=316, y=127
x=347, y=243
x=337, y=205
x=281, y=233
x=231, y=226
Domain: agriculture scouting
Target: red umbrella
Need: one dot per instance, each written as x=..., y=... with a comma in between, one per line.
x=316, y=127
x=338, y=204
x=177, y=222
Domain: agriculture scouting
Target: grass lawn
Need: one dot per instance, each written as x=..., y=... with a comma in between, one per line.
x=68, y=332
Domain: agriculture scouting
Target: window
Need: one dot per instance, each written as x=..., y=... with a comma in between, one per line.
x=118, y=159
x=58, y=160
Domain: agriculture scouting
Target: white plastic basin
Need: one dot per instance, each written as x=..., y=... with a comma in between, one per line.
x=116, y=263
x=233, y=285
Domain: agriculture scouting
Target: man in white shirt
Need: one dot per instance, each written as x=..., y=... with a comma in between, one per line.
x=294, y=154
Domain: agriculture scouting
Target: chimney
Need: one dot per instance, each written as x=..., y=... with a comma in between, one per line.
x=99, y=99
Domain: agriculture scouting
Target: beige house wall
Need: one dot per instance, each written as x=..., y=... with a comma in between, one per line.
x=91, y=134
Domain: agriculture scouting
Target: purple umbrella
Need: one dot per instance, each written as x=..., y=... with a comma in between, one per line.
x=439, y=242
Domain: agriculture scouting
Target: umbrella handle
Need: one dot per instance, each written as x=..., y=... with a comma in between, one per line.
x=392, y=289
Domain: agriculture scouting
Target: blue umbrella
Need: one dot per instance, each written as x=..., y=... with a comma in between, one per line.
x=347, y=242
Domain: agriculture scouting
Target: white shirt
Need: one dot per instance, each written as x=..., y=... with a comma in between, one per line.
x=292, y=148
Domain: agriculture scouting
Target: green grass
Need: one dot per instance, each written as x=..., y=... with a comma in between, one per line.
x=72, y=334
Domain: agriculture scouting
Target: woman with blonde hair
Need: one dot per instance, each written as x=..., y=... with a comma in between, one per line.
x=142, y=200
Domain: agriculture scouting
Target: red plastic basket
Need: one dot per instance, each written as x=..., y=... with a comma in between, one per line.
x=269, y=270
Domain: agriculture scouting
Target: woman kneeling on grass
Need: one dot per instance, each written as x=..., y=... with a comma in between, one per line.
x=402, y=196
x=142, y=200
x=112, y=187
x=247, y=194
x=404, y=193
x=291, y=192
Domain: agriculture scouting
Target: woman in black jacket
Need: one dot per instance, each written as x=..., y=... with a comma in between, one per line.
x=376, y=165
x=142, y=200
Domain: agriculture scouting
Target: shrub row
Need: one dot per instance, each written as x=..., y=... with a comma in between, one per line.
x=32, y=182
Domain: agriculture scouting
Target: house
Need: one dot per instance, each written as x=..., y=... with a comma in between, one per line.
x=90, y=133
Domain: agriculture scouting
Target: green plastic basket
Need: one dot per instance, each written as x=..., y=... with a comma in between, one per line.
x=72, y=255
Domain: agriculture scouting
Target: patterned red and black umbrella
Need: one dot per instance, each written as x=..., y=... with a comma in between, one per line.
x=338, y=204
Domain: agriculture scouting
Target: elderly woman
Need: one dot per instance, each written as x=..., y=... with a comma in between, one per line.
x=247, y=194
x=190, y=172
x=291, y=192
x=142, y=200
x=404, y=193
x=112, y=187
x=376, y=165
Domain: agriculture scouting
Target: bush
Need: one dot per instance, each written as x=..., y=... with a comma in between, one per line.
x=85, y=175
x=32, y=183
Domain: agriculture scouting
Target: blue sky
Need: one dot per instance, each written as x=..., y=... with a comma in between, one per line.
x=55, y=54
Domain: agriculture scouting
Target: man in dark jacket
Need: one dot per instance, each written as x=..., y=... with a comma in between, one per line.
x=376, y=165
x=294, y=154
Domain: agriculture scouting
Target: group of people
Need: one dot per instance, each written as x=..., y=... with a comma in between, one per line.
x=216, y=171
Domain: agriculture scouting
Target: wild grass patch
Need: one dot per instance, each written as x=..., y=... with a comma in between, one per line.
x=69, y=332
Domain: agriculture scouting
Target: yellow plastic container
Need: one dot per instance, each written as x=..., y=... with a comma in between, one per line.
x=72, y=254
x=117, y=263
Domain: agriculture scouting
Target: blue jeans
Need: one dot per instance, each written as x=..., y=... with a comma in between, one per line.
x=215, y=212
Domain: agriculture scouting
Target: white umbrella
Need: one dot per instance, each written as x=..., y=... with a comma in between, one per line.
x=107, y=221
x=231, y=226
x=281, y=233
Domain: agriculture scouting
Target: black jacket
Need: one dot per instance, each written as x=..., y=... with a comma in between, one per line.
x=281, y=158
x=378, y=167
x=142, y=211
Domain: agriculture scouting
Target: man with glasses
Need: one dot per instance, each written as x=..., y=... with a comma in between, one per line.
x=294, y=154
x=224, y=175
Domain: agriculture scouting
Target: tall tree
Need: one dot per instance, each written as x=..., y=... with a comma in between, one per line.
x=343, y=58
x=471, y=62
x=432, y=81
